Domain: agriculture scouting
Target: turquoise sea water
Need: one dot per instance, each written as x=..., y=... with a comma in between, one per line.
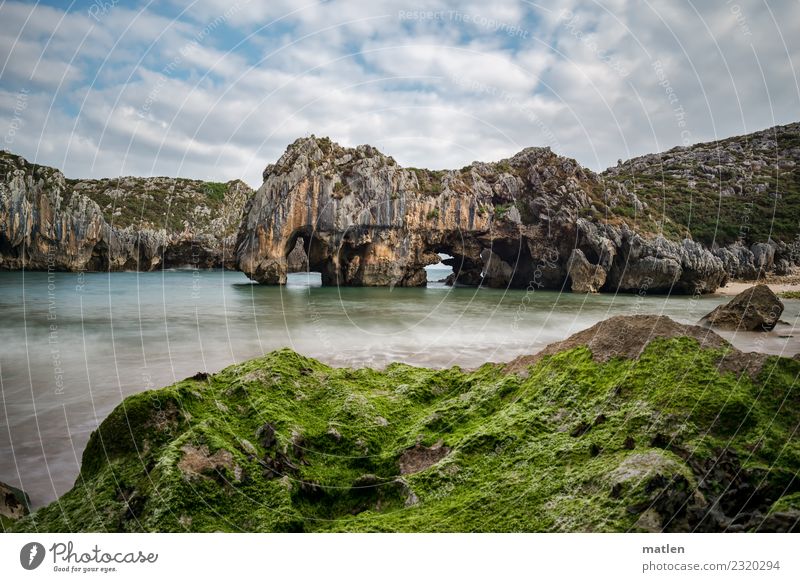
x=74, y=345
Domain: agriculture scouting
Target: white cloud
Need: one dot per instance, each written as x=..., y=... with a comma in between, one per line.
x=463, y=81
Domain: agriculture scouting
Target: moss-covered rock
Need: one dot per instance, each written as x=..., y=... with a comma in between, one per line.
x=662, y=441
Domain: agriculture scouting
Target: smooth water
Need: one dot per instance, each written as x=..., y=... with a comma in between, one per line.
x=74, y=345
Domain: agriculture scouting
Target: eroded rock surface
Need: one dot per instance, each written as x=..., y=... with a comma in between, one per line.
x=754, y=309
x=50, y=222
x=14, y=503
x=534, y=220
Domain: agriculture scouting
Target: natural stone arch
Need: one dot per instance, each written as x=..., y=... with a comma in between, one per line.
x=513, y=223
x=366, y=221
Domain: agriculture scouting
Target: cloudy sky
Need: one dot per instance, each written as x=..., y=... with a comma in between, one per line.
x=216, y=89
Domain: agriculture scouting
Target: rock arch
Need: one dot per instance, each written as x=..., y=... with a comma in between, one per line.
x=530, y=221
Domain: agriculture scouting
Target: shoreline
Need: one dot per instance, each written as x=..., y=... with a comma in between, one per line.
x=414, y=442
x=778, y=285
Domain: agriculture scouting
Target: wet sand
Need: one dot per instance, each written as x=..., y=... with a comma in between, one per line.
x=736, y=287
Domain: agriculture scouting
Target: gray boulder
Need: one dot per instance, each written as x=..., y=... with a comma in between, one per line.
x=754, y=309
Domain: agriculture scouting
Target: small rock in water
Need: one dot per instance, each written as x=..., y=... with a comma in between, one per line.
x=754, y=309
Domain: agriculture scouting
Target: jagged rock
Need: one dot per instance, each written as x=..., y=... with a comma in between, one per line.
x=50, y=222
x=584, y=276
x=738, y=262
x=754, y=309
x=737, y=191
x=14, y=503
x=496, y=272
x=297, y=260
x=515, y=223
x=763, y=256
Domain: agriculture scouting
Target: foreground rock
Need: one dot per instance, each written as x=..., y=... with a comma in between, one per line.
x=14, y=504
x=656, y=434
x=50, y=222
x=754, y=309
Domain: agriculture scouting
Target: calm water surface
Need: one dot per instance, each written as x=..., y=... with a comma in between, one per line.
x=74, y=345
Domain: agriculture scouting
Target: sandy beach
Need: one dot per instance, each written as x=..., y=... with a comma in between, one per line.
x=736, y=287
x=778, y=283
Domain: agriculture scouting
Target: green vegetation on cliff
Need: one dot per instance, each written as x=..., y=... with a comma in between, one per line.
x=148, y=203
x=744, y=188
x=169, y=203
x=285, y=443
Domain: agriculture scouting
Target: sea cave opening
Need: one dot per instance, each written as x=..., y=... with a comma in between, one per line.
x=441, y=274
x=301, y=272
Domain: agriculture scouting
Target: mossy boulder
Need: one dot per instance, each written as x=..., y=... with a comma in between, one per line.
x=666, y=439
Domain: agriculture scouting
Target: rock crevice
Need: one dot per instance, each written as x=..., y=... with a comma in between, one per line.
x=48, y=222
x=536, y=220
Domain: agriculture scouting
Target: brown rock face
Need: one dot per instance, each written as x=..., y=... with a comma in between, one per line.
x=365, y=221
x=297, y=261
x=13, y=502
x=584, y=276
x=623, y=336
x=49, y=222
x=626, y=336
x=419, y=458
x=361, y=219
x=754, y=309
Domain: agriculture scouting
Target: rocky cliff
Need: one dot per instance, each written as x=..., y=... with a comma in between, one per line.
x=739, y=196
x=50, y=222
x=534, y=220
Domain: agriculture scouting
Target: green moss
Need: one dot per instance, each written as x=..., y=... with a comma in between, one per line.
x=6, y=523
x=787, y=503
x=500, y=210
x=287, y=443
x=215, y=190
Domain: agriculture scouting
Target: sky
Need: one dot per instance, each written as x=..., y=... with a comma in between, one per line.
x=216, y=89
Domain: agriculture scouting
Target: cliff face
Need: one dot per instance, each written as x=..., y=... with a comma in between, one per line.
x=534, y=220
x=50, y=222
x=739, y=195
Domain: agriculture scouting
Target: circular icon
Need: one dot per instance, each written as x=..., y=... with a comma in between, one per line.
x=31, y=555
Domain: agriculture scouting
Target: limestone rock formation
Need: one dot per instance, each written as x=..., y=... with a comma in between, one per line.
x=50, y=222
x=741, y=192
x=365, y=221
x=584, y=276
x=14, y=503
x=297, y=261
x=754, y=309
